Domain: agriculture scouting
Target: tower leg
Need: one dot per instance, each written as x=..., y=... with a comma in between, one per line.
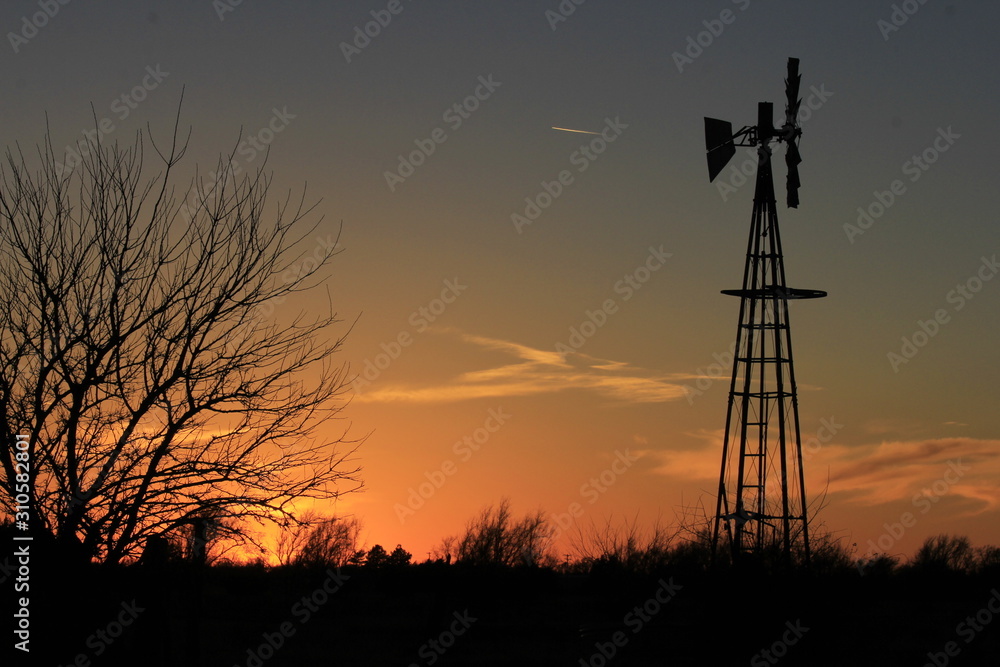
x=762, y=501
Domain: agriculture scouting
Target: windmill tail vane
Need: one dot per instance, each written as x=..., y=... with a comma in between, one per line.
x=761, y=502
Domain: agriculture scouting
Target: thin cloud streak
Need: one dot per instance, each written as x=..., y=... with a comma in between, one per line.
x=534, y=372
x=566, y=129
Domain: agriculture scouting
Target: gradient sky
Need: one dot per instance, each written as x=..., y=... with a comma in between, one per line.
x=877, y=96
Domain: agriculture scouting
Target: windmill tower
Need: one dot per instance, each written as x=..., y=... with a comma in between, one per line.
x=762, y=498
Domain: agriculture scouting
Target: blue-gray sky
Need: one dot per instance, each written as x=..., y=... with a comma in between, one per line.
x=880, y=90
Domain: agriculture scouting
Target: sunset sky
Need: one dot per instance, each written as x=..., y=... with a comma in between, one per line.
x=432, y=143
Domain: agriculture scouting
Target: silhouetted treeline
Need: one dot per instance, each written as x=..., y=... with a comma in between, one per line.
x=672, y=609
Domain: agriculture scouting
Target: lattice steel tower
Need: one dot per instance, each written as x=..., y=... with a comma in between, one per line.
x=762, y=499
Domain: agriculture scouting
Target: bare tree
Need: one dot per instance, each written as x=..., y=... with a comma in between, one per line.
x=945, y=553
x=495, y=538
x=626, y=545
x=320, y=541
x=292, y=536
x=988, y=559
x=447, y=550
x=135, y=354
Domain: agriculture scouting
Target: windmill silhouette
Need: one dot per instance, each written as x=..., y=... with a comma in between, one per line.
x=762, y=498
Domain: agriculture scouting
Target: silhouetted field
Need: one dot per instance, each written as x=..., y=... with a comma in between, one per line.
x=433, y=614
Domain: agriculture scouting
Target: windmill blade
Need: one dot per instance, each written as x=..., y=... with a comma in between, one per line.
x=792, y=161
x=792, y=92
x=792, y=157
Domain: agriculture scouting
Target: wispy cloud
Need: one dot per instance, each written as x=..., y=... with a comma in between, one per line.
x=873, y=474
x=901, y=469
x=532, y=371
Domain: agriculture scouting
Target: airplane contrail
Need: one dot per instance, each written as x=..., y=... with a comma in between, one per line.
x=566, y=129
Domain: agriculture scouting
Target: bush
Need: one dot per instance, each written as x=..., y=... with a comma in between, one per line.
x=945, y=553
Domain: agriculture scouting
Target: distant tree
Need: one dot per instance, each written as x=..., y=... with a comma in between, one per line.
x=320, y=541
x=495, y=538
x=945, y=553
x=136, y=354
x=377, y=557
x=625, y=545
x=829, y=554
x=399, y=557
x=447, y=550
x=695, y=553
x=988, y=559
x=878, y=564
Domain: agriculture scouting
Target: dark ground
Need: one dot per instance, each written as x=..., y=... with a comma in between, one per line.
x=223, y=617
